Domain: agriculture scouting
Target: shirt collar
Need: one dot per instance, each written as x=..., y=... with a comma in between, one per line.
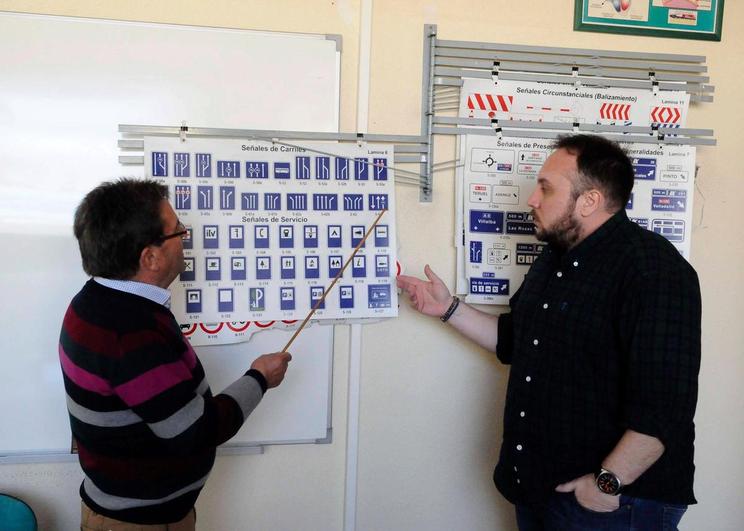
x=149, y=291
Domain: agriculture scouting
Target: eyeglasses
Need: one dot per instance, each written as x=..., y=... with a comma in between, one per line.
x=181, y=231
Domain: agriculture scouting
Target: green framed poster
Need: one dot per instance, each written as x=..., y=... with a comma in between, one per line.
x=686, y=19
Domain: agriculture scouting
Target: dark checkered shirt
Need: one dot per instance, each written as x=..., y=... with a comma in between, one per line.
x=602, y=338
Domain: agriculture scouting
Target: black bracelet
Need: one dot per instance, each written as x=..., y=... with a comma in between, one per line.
x=451, y=309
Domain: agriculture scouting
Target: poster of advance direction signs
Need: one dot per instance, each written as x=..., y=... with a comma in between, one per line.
x=499, y=175
x=271, y=225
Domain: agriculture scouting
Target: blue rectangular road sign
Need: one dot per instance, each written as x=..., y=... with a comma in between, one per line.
x=227, y=197
x=353, y=202
x=476, y=252
x=256, y=170
x=323, y=168
x=382, y=238
x=237, y=236
x=272, y=201
x=225, y=300
x=188, y=239
x=203, y=165
x=668, y=200
x=189, y=272
x=378, y=296
x=281, y=170
x=296, y=202
x=672, y=229
x=380, y=169
x=644, y=169
x=204, y=199
x=346, y=297
x=159, y=164
x=357, y=235
x=287, y=298
x=181, y=165
x=487, y=221
x=183, y=197
x=343, y=168
x=263, y=267
x=312, y=267
x=310, y=240
x=325, y=202
x=302, y=168
x=211, y=236
x=489, y=286
x=361, y=169
x=228, y=169
x=359, y=266
x=193, y=301
x=334, y=236
x=287, y=269
x=378, y=201
x=286, y=236
x=261, y=236
x=316, y=293
x=213, y=269
x=382, y=265
x=237, y=268
x=334, y=265
x=249, y=200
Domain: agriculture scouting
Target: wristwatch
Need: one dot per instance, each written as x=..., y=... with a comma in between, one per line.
x=608, y=482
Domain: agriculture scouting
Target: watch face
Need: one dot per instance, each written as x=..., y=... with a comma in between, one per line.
x=608, y=483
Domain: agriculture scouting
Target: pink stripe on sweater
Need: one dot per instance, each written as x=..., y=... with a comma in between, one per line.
x=152, y=383
x=83, y=378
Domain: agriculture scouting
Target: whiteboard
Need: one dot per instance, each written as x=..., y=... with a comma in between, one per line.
x=67, y=84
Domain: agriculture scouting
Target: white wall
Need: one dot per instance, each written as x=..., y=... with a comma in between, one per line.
x=431, y=404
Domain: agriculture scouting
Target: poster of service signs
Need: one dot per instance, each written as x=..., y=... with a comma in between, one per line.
x=270, y=225
x=496, y=230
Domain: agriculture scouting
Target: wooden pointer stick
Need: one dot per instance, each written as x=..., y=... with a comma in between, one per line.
x=338, y=275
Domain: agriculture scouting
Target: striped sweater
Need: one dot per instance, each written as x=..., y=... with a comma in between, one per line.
x=141, y=411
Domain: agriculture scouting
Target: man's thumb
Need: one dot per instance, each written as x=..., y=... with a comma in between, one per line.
x=566, y=487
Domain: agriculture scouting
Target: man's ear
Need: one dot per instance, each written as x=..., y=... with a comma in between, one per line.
x=591, y=201
x=149, y=258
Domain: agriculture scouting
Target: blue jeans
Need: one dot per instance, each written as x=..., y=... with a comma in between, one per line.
x=563, y=513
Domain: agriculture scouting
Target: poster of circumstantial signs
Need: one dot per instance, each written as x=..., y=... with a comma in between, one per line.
x=499, y=174
x=270, y=226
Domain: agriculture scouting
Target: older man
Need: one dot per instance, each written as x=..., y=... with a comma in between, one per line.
x=141, y=411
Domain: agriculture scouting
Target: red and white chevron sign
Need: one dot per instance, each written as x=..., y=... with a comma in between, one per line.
x=490, y=102
x=666, y=115
x=615, y=111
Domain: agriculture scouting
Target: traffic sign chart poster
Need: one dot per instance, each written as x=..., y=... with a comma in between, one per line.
x=497, y=232
x=271, y=224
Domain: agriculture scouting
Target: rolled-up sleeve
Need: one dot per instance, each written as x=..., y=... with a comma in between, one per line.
x=660, y=325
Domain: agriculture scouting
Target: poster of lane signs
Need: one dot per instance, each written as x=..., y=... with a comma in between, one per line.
x=495, y=226
x=270, y=225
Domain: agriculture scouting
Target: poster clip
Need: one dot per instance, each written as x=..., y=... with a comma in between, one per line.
x=576, y=127
x=495, y=71
x=360, y=139
x=496, y=127
x=575, y=75
x=654, y=83
x=182, y=131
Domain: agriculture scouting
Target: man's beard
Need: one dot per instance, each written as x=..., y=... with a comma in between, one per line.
x=564, y=233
